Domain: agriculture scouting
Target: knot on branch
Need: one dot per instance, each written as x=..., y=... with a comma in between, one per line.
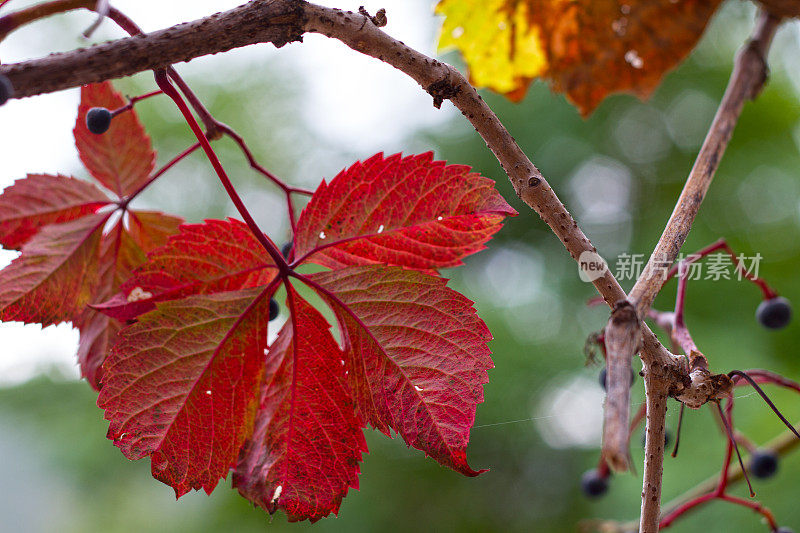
x=442, y=90
x=291, y=16
x=703, y=387
x=623, y=332
x=380, y=20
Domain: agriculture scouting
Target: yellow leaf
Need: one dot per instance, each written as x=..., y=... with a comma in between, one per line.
x=496, y=40
x=585, y=48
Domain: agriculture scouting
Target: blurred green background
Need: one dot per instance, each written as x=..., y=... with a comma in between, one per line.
x=619, y=172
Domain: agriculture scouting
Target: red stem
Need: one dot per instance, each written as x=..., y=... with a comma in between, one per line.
x=212, y=125
x=755, y=506
x=127, y=200
x=765, y=376
x=163, y=82
x=132, y=101
x=723, y=245
x=671, y=517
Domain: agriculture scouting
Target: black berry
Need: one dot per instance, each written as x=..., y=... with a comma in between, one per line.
x=286, y=249
x=763, y=464
x=274, y=309
x=667, y=438
x=6, y=89
x=593, y=484
x=98, y=120
x=784, y=530
x=602, y=377
x=774, y=313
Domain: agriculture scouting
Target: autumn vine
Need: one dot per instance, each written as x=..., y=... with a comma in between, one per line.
x=175, y=319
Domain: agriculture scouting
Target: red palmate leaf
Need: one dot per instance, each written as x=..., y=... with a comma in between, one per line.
x=416, y=355
x=122, y=250
x=413, y=212
x=215, y=256
x=307, y=443
x=122, y=159
x=41, y=199
x=54, y=277
x=182, y=384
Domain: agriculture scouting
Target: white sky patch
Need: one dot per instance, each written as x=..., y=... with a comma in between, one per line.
x=570, y=415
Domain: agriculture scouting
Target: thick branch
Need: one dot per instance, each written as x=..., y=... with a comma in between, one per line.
x=654, y=454
x=747, y=79
x=260, y=21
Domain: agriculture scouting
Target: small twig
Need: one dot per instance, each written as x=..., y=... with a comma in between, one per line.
x=760, y=391
x=160, y=172
x=101, y=7
x=747, y=79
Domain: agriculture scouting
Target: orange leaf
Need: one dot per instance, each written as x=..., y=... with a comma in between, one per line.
x=587, y=49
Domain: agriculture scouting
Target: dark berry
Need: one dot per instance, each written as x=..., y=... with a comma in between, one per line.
x=98, y=120
x=667, y=438
x=593, y=484
x=274, y=309
x=763, y=464
x=602, y=377
x=286, y=249
x=784, y=530
x=6, y=89
x=774, y=313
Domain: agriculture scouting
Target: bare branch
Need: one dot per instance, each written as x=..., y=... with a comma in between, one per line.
x=748, y=77
x=653, y=454
x=624, y=340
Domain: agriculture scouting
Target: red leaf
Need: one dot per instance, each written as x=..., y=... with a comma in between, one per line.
x=182, y=385
x=122, y=158
x=412, y=212
x=122, y=250
x=416, y=355
x=54, y=277
x=203, y=258
x=41, y=199
x=152, y=229
x=307, y=443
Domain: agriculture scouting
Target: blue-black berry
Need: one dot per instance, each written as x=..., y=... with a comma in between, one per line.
x=763, y=464
x=774, y=313
x=593, y=484
x=286, y=249
x=667, y=438
x=274, y=309
x=603, y=373
x=98, y=120
x=6, y=89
